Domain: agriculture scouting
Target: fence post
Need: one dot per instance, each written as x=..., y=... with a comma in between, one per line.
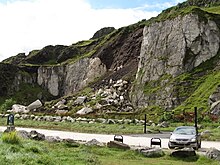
x=145, y=123
x=196, y=120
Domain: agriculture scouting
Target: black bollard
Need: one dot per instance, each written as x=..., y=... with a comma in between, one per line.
x=145, y=123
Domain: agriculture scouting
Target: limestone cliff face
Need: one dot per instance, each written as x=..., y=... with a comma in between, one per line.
x=170, y=48
x=64, y=80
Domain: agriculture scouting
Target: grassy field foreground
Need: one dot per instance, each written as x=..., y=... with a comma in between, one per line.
x=17, y=151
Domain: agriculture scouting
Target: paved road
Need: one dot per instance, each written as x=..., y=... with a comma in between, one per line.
x=136, y=140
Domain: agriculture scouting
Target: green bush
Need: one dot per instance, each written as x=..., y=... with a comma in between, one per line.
x=7, y=104
x=11, y=138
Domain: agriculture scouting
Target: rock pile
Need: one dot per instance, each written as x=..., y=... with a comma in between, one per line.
x=114, y=93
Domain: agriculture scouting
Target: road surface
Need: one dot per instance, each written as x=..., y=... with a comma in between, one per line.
x=133, y=140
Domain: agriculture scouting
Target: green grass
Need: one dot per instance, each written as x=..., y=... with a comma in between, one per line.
x=112, y=128
x=11, y=138
x=200, y=96
x=215, y=9
x=30, y=152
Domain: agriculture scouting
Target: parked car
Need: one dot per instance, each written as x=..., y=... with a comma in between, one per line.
x=185, y=136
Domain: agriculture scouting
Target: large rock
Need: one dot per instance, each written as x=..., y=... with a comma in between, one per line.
x=24, y=134
x=16, y=108
x=116, y=144
x=186, y=152
x=84, y=111
x=152, y=152
x=36, y=136
x=215, y=96
x=80, y=100
x=215, y=108
x=94, y=142
x=53, y=139
x=36, y=104
x=213, y=153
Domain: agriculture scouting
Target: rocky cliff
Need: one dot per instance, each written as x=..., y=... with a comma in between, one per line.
x=170, y=62
x=65, y=80
x=169, y=49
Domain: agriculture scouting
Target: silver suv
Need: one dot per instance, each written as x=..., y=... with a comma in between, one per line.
x=185, y=136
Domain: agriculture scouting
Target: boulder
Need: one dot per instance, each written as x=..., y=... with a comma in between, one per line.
x=215, y=108
x=84, y=111
x=164, y=124
x=116, y=144
x=70, y=119
x=53, y=139
x=48, y=118
x=61, y=112
x=36, y=136
x=185, y=152
x=80, y=100
x=215, y=96
x=36, y=104
x=17, y=116
x=152, y=152
x=16, y=108
x=213, y=153
x=61, y=102
x=24, y=134
x=94, y=142
x=110, y=121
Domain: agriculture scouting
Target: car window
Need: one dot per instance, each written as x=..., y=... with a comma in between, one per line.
x=185, y=131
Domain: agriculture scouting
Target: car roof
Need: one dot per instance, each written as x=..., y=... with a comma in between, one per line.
x=186, y=127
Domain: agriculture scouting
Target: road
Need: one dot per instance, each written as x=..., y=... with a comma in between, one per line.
x=133, y=140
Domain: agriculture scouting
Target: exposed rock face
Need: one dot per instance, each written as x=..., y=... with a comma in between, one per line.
x=64, y=80
x=171, y=48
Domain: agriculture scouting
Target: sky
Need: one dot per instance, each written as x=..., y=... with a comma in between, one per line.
x=27, y=25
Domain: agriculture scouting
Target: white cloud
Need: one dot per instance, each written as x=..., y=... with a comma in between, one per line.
x=33, y=24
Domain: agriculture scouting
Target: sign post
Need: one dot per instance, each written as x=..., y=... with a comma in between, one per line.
x=10, y=123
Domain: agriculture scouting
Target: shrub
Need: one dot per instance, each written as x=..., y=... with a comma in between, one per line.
x=11, y=138
x=7, y=104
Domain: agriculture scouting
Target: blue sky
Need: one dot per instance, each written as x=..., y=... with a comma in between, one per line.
x=33, y=24
x=155, y=5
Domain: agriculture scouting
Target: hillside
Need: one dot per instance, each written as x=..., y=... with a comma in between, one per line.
x=167, y=64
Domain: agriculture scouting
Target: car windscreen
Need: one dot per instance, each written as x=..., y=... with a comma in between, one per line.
x=185, y=131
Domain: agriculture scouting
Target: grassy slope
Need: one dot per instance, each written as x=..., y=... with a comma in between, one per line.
x=215, y=9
